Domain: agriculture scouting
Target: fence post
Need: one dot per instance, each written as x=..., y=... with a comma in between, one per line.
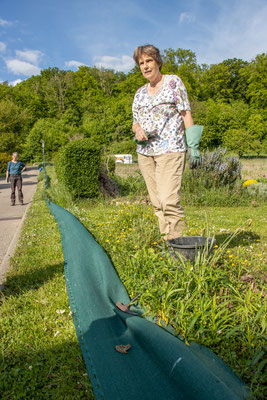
x=43, y=146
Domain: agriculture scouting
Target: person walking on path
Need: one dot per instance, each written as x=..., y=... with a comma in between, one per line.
x=161, y=110
x=13, y=174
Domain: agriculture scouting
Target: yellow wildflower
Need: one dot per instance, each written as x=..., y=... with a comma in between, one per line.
x=249, y=182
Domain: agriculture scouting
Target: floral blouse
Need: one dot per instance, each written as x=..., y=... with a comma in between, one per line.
x=159, y=116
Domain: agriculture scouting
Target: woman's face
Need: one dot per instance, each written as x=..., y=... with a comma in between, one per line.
x=149, y=67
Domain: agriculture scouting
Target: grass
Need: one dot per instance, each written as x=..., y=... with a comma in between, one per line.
x=218, y=303
x=40, y=355
x=252, y=168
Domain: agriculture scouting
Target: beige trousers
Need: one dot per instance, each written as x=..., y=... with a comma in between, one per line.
x=163, y=177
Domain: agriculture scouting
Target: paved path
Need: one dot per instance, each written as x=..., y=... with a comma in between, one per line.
x=11, y=218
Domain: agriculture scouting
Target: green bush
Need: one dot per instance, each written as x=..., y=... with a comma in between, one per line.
x=4, y=159
x=216, y=182
x=78, y=167
x=217, y=170
x=257, y=190
x=125, y=147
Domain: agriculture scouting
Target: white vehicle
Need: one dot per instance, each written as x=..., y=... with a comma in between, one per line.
x=124, y=158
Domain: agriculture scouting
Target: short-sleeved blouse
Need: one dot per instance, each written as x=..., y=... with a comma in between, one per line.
x=159, y=116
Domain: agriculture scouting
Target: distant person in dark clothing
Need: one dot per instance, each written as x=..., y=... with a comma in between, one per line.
x=13, y=174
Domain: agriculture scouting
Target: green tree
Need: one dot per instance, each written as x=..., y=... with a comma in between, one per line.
x=129, y=86
x=6, y=92
x=57, y=89
x=225, y=81
x=256, y=75
x=183, y=63
x=29, y=95
x=174, y=59
x=14, y=125
x=217, y=118
x=239, y=141
x=48, y=129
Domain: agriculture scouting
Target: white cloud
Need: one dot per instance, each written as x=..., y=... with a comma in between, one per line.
x=2, y=47
x=26, y=63
x=3, y=22
x=186, y=17
x=74, y=64
x=14, y=83
x=123, y=63
x=31, y=56
x=18, y=67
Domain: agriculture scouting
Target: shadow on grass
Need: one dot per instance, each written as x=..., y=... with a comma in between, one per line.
x=18, y=284
x=244, y=238
x=51, y=372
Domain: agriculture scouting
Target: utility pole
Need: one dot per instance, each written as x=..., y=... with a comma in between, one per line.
x=43, y=146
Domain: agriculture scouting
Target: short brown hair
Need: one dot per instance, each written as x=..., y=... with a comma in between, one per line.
x=151, y=51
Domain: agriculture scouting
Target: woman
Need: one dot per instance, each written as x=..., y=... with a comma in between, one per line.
x=13, y=174
x=160, y=111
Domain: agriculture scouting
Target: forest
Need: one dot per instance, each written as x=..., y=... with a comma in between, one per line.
x=58, y=106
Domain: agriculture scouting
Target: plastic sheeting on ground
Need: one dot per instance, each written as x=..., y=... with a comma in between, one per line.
x=158, y=365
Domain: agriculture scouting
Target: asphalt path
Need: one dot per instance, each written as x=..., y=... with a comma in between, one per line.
x=12, y=217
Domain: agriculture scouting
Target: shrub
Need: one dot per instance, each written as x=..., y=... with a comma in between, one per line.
x=4, y=159
x=217, y=170
x=216, y=182
x=257, y=190
x=78, y=167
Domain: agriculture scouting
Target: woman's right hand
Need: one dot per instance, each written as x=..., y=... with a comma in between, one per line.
x=139, y=132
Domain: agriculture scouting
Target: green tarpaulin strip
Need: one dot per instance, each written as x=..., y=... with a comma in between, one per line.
x=158, y=365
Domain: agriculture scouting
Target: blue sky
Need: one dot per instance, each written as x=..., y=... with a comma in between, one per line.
x=37, y=34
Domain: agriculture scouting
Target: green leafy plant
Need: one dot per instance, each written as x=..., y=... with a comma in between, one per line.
x=78, y=167
x=218, y=169
x=4, y=159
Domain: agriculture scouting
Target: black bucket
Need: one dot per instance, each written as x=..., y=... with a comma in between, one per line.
x=190, y=246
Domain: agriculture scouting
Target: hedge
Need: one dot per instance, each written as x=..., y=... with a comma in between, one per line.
x=4, y=159
x=78, y=166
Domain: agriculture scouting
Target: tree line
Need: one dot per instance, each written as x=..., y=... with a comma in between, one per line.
x=58, y=106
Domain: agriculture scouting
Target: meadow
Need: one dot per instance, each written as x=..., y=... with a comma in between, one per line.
x=252, y=168
x=219, y=302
